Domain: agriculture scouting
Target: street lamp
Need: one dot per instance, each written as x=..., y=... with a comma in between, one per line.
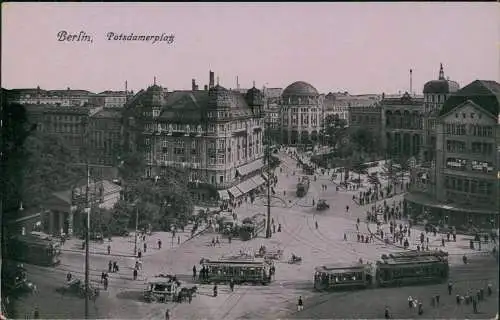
x=268, y=156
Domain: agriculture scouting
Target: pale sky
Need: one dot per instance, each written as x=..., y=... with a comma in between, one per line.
x=355, y=47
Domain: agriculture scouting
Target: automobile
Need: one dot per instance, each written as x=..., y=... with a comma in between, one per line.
x=322, y=205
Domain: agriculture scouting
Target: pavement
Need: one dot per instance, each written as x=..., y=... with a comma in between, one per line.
x=323, y=245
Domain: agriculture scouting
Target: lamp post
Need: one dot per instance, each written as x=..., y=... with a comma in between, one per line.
x=268, y=156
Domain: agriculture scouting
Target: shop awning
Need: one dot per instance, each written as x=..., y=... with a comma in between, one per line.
x=223, y=194
x=258, y=180
x=250, y=167
x=235, y=192
x=246, y=186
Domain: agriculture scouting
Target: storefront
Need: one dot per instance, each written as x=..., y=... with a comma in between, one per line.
x=422, y=207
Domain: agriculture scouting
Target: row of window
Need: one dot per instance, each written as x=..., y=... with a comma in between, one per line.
x=475, y=165
x=468, y=185
x=221, y=143
x=474, y=130
x=476, y=147
x=364, y=119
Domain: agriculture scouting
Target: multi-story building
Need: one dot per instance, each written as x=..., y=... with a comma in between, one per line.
x=67, y=122
x=272, y=100
x=369, y=118
x=338, y=103
x=402, y=121
x=461, y=187
x=111, y=99
x=104, y=140
x=302, y=114
x=215, y=134
x=435, y=94
x=39, y=96
x=92, y=134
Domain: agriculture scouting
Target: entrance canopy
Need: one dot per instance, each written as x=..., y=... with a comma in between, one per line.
x=250, y=167
x=246, y=186
x=223, y=194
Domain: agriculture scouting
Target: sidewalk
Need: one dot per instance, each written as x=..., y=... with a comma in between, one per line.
x=461, y=246
x=124, y=246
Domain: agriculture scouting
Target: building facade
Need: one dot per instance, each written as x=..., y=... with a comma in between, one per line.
x=272, y=102
x=369, y=118
x=302, y=114
x=402, y=120
x=39, y=96
x=461, y=186
x=214, y=134
x=111, y=99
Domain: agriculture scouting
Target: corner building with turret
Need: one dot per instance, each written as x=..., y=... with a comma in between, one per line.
x=214, y=134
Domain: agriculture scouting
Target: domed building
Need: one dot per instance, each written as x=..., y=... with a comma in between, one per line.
x=301, y=114
x=436, y=92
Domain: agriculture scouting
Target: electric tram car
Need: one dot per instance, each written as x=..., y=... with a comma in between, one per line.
x=34, y=250
x=398, y=269
x=342, y=277
x=239, y=269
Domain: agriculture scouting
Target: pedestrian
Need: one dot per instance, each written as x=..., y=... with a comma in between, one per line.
x=145, y=247
x=420, y=308
x=387, y=314
x=139, y=254
x=167, y=314
x=300, y=304
x=474, y=304
x=231, y=285
x=437, y=299
x=345, y=237
x=110, y=266
x=159, y=244
x=410, y=302
x=347, y=209
x=109, y=249
x=194, y=272
x=105, y=283
x=68, y=276
x=217, y=241
x=213, y=242
x=450, y=287
x=135, y=274
x=178, y=240
x=215, y=290
x=103, y=275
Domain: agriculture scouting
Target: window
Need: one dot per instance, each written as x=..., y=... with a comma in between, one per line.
x=156, y=112
x=211, y=127
x=221, y=179
x=456, y=164
x=481, y=166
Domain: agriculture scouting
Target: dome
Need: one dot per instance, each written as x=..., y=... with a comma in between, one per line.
x=300, y=88
x=441, y=87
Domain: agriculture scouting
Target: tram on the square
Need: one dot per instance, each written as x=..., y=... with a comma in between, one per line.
x=397, y=269
x=240, y=269
x=34, y=250
x=337, y=277
x=406, y=268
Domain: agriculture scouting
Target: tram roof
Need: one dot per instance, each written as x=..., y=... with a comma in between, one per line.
x=341, y=268
x=241, y=262
x=29, y=239
x=411, y=260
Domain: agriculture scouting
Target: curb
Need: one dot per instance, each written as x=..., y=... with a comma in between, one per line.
x=131, y=255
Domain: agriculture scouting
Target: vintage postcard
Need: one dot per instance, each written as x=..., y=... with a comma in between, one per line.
x=302, y=160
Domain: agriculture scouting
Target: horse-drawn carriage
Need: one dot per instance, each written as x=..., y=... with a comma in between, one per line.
x=77, y=287
x=164, y=288
x=274, y=254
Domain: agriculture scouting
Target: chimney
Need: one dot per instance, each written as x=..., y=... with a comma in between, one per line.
x=193, y=84
x=211, y=82
x=411, y=81
x=206, y=87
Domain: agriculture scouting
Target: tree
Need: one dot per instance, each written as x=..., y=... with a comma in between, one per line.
x=334, y=129
x=49, y=166
x=359, y=167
